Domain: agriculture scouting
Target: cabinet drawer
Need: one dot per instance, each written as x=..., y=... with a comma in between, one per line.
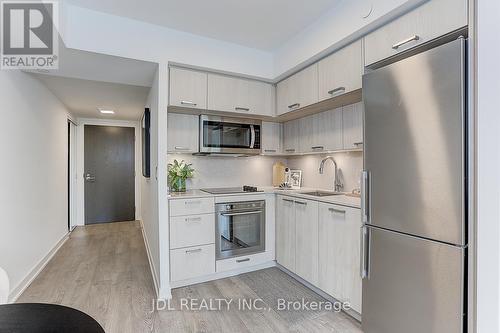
x=192, y=230
x=192, y=262
x=196, y=206
x=243, y=261
x=429, y=21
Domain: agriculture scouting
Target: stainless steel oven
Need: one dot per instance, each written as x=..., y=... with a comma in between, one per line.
x=240, y=228
x=225, y=135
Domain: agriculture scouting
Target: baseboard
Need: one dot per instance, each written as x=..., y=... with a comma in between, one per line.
x=150, y=259
x=28, y=279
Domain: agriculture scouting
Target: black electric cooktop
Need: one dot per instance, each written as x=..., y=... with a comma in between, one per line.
x=231, y=190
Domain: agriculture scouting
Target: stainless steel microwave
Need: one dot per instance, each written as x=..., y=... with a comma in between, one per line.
x=224, y=135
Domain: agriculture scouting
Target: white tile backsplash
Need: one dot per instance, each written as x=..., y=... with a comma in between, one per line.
x=349, y=163
x=257, y=170
x=211, y=171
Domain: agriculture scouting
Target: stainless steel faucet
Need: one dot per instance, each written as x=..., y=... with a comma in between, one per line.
x=337, y=184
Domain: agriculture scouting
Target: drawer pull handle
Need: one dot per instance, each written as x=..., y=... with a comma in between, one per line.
x=336, y=90
x=270, y=150
x=301, y=203
x=405, y=41
x=358, y=144
x=181, y=148
x=333, y=210
x=193, y=251
x=242, y=260
x=318, y=148
x=292, y=150
x=288, y=200
x=188, y=103
x=293, y=106
x=193, y=219
x=239, y=108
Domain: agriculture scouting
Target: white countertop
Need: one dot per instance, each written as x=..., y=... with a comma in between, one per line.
x=342, y=200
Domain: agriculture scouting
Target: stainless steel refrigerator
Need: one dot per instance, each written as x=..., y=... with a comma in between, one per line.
x=414, y=235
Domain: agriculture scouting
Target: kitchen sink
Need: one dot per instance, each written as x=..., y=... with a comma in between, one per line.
x=322, y=193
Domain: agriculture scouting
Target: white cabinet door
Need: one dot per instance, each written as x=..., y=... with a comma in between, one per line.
x=306, y=134
x=291, y=136
x=271, y=137
x=182, y=133
x=298, y=91
x=327, y=130
x=232, y=94
x=339, y=253
x=341, y=72
x=188, y=88
x=306, y=235
x=432, y=19
x=285, y=232
x=353, y=125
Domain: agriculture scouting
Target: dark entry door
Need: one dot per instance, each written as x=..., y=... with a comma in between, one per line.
x=109, y=174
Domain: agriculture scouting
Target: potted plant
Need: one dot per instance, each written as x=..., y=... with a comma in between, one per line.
x=178, y=172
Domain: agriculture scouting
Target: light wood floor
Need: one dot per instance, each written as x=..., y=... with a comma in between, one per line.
x=103, y=270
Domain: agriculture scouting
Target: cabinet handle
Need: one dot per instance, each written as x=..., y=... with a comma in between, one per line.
x=192, y=202
x=193, y=219
x=288, y=200
x=188, y=103
x=290, y=150
x=293, y=106
x=336, y=90
x=318, y=148
x=242, y=260
x=238, y=108
x=333, y=210
x=270, y=150
x=405, y=41
x=301, y=203
x=181, y=148
x=193, y=251
x=358, y=144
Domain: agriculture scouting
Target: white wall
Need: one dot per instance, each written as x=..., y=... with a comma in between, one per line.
x=80, y=163
x=149, y=190
x=93, y=31
x=488, y=166
x=349, y=163
x=33, y=192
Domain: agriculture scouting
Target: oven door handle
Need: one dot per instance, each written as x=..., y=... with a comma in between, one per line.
x=242, y=213
x=252, y=136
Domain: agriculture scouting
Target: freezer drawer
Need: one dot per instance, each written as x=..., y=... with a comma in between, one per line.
x=414, y=144
x=413, y=285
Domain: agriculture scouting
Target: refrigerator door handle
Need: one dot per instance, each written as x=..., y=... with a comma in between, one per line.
x=365, y=196
x=364, y=257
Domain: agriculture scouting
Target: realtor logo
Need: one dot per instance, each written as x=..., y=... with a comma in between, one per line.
x=29, y=35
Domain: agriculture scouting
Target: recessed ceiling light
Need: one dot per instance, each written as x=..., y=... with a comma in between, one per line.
x=106, y=111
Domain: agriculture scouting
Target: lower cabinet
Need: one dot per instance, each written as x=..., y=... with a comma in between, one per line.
x=320, y=242
x=192, y=262
x=339, y=253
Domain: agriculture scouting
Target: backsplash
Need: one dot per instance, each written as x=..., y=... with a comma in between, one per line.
x=228, y=171
x=349, y=163
x=257, y=170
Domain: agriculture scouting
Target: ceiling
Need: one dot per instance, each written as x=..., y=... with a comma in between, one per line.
x=260, y=24
x=83, y=97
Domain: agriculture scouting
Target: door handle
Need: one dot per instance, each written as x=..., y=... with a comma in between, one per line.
x=89, y=178
x=364, y=255
x=365, y=196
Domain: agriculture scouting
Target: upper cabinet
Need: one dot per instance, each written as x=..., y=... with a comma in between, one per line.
x=231, y=94
x=352, y=124
x=182, y=133
x=188, y=88
x=432, y=19
x=271, y=138
x=297, y=91
x=341, y=72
